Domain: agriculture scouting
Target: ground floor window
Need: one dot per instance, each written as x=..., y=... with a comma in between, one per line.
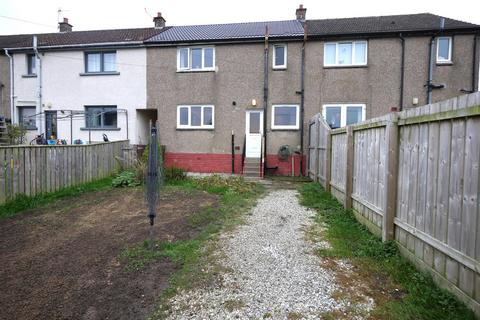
x=100, y=117
x=195, y=117
x=340, y=115
x=285, y=117
x=26, y=117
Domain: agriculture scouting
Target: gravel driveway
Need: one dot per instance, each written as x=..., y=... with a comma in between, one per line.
x=274, y=273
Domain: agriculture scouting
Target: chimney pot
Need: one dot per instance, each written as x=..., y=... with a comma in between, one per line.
x=65, y=26
x=159, y=21
x=301, y=13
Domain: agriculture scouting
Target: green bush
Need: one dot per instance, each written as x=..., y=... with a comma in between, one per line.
x=175, y=174
x=125, y=179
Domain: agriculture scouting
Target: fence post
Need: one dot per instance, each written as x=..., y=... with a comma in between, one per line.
x=349, y=168
x=391, y=176
x=328, y=162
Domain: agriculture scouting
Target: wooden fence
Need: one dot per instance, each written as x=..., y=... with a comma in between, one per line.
x=413, y=177
x=33, y=170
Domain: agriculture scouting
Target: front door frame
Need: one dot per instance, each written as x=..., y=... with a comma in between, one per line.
x=253, y=143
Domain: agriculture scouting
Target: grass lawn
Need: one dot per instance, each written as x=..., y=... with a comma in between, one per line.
x=418, y=297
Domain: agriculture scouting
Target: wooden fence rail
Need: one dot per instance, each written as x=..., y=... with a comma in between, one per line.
x=413, y=177
x=33, y=170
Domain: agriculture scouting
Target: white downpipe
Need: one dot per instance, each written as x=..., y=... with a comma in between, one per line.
x=12, y=94
x=38, y=66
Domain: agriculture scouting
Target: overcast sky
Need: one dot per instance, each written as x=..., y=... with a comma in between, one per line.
x=103, y=14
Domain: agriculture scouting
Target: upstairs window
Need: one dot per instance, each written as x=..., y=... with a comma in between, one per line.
x=279, y=56
x=285, y=117
x=101, y=117
x=98, y=62
x=444, y=50
x=195, y=117
x=31, y=64
x=196, y=59
x=340, y=115
x=348, y=53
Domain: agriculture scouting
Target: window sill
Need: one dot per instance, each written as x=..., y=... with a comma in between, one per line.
x=195, y=129
x=100, y=129
x=29, y=75
x=285, y=129
x=447, y=63
x=87, y=74
x=279, y=68
x=195, y=71
x=346, y=67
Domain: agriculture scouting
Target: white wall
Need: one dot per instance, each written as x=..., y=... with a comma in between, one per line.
x=64, y=88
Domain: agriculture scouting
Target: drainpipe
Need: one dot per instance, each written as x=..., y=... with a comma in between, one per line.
x=402, y=71
x=431, y=61
x=430, y=70
x=302, y=99
x=12, y=107
x=39, y=86
x=265, y=98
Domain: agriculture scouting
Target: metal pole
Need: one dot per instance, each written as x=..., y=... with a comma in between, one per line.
x=233, y=153
x=71, y=127
x=126, y=116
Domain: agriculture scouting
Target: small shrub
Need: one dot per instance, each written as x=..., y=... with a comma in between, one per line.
x=125, y=179
x=16, y=134
x=175, y=174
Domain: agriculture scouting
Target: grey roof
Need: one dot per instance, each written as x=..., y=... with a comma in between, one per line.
x=384, y=24
x=79, y=37
x=230, y=31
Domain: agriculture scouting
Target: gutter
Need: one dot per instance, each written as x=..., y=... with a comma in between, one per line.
x=402, y=71
x=12, y=108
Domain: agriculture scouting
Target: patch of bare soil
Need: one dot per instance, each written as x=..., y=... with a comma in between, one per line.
x=61, y=261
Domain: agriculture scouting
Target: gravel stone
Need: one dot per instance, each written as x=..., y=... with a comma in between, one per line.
x=274, y=271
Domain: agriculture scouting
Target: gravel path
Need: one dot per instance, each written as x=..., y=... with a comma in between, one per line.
x=274, y=273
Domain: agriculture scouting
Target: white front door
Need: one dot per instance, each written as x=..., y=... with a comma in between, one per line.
x=253, y=133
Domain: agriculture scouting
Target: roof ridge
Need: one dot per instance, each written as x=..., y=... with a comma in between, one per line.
x=233, y=23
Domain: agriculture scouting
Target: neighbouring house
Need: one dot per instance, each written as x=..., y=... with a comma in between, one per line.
x=362, y=68
x=260, y=82
x=81, y=85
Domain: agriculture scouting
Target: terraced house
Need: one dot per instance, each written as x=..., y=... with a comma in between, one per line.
x=237, y=97
x=260, y=82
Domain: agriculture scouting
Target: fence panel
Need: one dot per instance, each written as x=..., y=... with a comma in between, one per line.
x=416, y=177
x=33, y=170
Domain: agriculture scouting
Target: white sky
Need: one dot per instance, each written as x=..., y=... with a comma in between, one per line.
x=103, y=14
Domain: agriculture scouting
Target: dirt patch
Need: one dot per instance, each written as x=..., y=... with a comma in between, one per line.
x=61, y=262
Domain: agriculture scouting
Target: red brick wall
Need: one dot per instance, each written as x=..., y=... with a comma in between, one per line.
x=222, y=163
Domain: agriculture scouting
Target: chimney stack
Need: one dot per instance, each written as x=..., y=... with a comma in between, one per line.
x=159, y=21
x=65, y=26
x=301, y=13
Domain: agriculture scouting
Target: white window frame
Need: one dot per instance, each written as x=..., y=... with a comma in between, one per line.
x=283, y=66
x=201, y=126
x=449, y=60
x=343, y=111
x=189, y=67
x=286, y=127
x=336, y=64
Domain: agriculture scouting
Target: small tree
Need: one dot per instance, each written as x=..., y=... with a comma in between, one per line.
x=16, y=133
